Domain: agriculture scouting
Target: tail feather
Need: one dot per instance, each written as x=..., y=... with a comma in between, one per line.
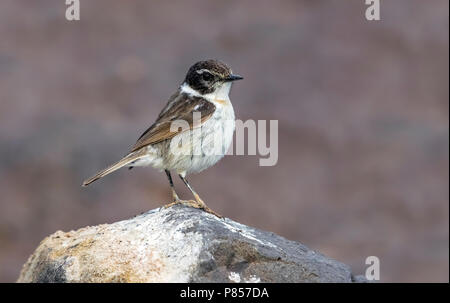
x=112, y=168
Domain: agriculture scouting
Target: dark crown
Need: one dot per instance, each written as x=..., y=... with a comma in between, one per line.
x=213, y=66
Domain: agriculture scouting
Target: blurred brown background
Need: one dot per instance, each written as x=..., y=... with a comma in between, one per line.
x=362, y=107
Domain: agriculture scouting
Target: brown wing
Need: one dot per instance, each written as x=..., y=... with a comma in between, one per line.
x=179, y=107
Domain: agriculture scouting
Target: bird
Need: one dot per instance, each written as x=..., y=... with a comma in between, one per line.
x=202, y=105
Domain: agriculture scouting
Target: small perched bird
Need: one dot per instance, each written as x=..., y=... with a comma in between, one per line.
x=205, y=93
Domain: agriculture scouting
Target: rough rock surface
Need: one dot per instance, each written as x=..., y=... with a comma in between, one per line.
x=178, y=244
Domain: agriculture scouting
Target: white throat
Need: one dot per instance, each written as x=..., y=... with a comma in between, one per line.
x=221, y=93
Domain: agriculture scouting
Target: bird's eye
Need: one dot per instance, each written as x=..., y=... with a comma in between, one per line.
x=207, y=76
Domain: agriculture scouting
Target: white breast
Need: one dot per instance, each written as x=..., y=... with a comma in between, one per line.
x=219, y=127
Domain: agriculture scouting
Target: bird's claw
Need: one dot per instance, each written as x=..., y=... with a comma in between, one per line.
x=194, y=204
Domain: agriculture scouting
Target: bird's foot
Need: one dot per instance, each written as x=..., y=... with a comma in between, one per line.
x=190, y=203
x=209, y=210
x=193, y=203
x=205, y=207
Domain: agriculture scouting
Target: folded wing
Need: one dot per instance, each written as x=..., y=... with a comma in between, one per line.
x=180, y=108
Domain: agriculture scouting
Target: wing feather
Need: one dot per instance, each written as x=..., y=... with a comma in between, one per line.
x=180, y=107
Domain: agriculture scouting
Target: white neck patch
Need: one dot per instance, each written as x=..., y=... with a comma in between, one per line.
x=221, y=93
x=185, y=88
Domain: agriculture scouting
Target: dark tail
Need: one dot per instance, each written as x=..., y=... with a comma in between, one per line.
x=123, y=162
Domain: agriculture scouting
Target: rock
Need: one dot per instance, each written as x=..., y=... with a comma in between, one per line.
x=178, y=244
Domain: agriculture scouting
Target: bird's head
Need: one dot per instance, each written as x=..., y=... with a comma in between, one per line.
x=208, y=76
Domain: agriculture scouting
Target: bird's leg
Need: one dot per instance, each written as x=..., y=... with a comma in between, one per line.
x=174, y=194
x=198, y=201
x=176, y=199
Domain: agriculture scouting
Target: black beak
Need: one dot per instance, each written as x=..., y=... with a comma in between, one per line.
x=233, y=77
